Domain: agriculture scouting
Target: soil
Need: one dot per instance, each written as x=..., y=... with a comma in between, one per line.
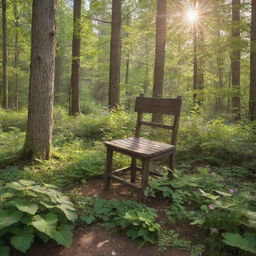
x=96, y=241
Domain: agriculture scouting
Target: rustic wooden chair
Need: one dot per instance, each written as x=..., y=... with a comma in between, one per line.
x=140, y=148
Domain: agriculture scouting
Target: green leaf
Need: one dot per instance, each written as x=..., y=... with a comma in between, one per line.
x=26, y=206
x=89, y=220
x=27, y=183
x=64, y=235
x=246, y=242
x=45, y=225
x=15, y=186
x=70, y=214
x=132, y=233
x=7, y=218
x=23, y=240
x=4, y=250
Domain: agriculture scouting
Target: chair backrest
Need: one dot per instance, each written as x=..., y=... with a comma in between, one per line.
x=152, y=105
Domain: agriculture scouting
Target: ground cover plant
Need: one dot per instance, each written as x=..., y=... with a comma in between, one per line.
x=28, y=210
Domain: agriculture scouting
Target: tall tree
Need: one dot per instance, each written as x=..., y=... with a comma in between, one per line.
x=75, y=73
x=235, y=57
x=115, y=56
x=159, y=53
x=39, y=126
x=5, y=81
x=57, y=75
x=195, y=63
x=253, y=64
x=16, y=52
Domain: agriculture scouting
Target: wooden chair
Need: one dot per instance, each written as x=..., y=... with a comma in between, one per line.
x=140, y=148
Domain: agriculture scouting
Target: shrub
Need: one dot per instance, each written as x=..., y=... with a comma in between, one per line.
x=28, y=210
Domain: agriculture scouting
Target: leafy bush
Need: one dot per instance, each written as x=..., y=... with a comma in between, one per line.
x=217, y=142
x=136, y=220
x=28, y=210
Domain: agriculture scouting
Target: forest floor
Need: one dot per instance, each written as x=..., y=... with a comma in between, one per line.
x=96, y=241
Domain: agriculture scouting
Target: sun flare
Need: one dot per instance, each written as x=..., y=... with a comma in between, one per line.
x=192, y=15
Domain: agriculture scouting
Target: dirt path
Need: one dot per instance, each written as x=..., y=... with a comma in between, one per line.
x=95, y=241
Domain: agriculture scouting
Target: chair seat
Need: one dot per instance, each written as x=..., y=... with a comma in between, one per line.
x=140, y=147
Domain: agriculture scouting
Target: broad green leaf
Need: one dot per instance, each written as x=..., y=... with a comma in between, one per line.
x=27, y=183
x=64, y=235
x=70, y=214
x=15, y=186
x=23, y=240
x=4, y=250
x=26, y=206
x=246, y=242
x=132, y=233
x=7, y=195
x=45, y=225
x=7, y=218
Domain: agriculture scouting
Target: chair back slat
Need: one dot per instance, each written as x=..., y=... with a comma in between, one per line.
x=158, y=105
x=164, y=126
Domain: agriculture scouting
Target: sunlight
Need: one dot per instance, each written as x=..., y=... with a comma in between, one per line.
x=192, y=15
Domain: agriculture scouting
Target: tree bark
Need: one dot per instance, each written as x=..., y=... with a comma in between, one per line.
x=195, y=65
x=200, y=74
x=159, y=54
x=57, y=75
x=75, y=73
x=115, y=56
x=39, y=126
x=235, y=58
x=16, y=54
x=220, y=64
x=252, y=106
x=5, y=56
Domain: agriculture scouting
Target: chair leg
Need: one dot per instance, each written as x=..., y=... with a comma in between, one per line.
x=171, y=165
x=145, y=174
x=108, y=168
x=133, y=170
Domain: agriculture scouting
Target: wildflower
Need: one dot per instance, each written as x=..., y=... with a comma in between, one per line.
x=211, y=207
x=232, y=191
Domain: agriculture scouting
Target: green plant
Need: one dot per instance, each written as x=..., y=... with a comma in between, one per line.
x=28, y=210
x=136, y=220
x=162, y=185
x=170, y=238
x=246, y=242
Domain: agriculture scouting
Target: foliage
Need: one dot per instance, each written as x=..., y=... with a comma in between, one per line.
x=204, y=199
x=170, y=238
x=162, y=185
x=28, y=210
x=216, y=142
x=136, y=220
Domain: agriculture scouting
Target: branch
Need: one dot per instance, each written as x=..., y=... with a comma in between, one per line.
x=91, y=18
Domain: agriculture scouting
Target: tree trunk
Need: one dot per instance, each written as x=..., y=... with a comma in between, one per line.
x=220, y=63
x=195, y=65
x=57, y=75
x=115, y=56
x=75, y=73
x=200, y=79
x=39, y=127
x=16, y=54
x=5, y=80
x=159, y=54
x=126, y=82
x=253, y=64
x=235, y=58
